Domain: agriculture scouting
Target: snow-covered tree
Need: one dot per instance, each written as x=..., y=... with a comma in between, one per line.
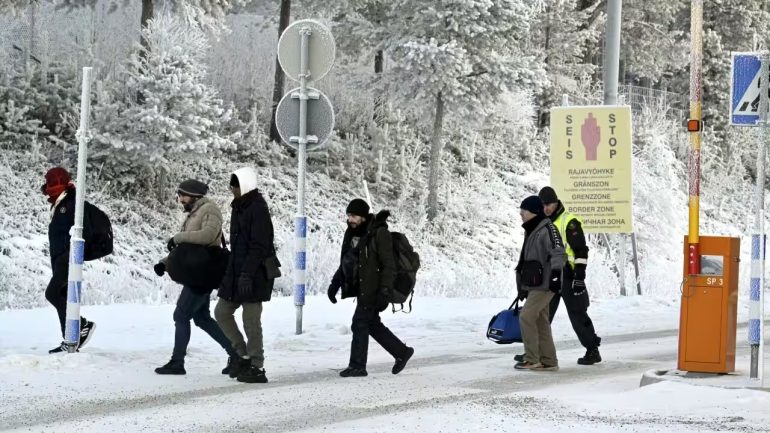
x=15, y=7
x=563, y=34
x=180, y=116
x=655, y=33
x=32, y=105
x=729, y=25
x=457, y=58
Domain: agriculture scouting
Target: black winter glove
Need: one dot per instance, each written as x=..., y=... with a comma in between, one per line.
x=578, y=287
x=580, y=272
x=171, y=244
x=332, y=293
x=160, y=269
x=245, y=284
x=554, y=282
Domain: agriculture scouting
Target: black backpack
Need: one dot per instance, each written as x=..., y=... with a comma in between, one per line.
x=407, y=264
x=97, y=232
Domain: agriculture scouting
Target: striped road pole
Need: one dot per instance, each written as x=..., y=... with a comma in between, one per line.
x=757, y=296
x=77, y=243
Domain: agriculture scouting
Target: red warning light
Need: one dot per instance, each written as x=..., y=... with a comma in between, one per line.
x=694, y=125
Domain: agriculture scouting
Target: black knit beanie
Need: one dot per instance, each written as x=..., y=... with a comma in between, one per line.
x=358, y=207
x=532, y=204
x=192, y=188
x=548, y=195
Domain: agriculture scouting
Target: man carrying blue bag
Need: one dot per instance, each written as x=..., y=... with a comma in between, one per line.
x=538, y=277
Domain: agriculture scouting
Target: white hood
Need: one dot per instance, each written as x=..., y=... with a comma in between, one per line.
x=247, y=178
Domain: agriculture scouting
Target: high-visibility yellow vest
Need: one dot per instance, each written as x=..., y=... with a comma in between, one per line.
x=561, y=225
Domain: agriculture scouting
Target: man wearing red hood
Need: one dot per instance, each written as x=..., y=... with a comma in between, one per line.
x=61, y=194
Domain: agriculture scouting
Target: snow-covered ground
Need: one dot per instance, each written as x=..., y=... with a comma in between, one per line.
x=457, y=381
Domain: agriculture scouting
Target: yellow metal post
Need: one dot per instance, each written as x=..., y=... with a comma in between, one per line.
x=696, y=99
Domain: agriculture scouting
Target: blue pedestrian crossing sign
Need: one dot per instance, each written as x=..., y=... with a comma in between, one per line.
x=744, y=89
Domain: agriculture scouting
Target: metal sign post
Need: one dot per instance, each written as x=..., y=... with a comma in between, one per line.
x=77, y=243
x=763, y=109
x=304, y=119
x=749, y=107
x=611, y=73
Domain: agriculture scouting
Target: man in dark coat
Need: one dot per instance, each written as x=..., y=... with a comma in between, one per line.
x=366, y=271
x=61, y=194
x=542, y=254
x=246, y=283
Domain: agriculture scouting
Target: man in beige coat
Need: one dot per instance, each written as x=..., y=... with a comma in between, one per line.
x=203, y=226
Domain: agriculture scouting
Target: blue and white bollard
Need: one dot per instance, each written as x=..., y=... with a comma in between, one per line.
x=755, y=330
x=74, y=290
x=300, y=267
x=754, y=313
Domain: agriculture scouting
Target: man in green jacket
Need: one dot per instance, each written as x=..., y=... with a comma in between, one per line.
x=366, y=271
x=203, y=226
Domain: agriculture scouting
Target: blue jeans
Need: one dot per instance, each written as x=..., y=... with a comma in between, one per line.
x=195, y=307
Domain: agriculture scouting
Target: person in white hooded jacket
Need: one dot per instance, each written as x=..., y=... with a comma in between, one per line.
x=248, y=281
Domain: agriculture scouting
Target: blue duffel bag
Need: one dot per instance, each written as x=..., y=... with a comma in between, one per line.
x=504, y=328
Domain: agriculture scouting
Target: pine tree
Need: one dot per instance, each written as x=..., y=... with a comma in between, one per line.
x=180, y=115
x=33, y=106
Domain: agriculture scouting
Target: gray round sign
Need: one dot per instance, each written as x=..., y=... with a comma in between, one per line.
x=320, y=118
x=321, y=49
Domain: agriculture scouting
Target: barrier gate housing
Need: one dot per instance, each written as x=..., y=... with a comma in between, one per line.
x=708, y=319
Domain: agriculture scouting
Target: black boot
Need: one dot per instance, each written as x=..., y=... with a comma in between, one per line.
x=519, y=358
x=252, y=375
x=591, y=357
x=353, y=372
x=240, y=365
x=172, y=367
x=401, y=362
x=229, y=366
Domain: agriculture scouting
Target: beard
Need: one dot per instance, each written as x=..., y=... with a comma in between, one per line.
x=357, y=229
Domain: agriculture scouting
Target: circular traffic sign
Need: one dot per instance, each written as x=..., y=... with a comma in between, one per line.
x=320, y=118
x=321, y=49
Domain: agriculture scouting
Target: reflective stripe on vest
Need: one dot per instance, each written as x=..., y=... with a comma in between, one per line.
x=561, y=224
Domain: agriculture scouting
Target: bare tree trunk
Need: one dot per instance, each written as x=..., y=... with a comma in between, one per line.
x=435, y=159
x=280, y=77
x=379, y=102
x=544, y=111
x=148, y=9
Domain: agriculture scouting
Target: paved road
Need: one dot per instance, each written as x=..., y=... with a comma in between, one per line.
x=318, y=399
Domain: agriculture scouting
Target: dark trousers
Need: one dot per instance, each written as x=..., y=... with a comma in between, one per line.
x=195, y=307
x=366, y=322
x=577, y=310
x=56, y=292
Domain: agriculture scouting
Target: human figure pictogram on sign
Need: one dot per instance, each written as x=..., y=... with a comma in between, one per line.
x=590, y=134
